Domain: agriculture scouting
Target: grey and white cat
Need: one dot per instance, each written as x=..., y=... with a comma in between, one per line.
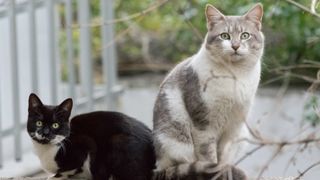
x=204, y=101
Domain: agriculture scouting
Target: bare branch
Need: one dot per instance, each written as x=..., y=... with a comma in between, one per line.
x=151, y=8
x=299, y=76
x=194, y=29
x=264, y=168
x=311, y=62
x=298, y=66
x=306, y=170
x=314, y=5
x=303, y=8
x=118, y=36
x=272, y=80
x=249, y=154
x=283, y=143
x=292, y=159
x=253, y=132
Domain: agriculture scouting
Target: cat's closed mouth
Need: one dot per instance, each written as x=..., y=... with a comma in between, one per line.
x=236, y=54
x=41, y=141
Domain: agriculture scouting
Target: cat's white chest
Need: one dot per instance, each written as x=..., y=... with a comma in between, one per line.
x=228, y=96
x=47, y=153
x=228, y=90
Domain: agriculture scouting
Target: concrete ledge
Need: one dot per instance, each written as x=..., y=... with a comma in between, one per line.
x=44, y=178
x=28, y=166
x=22, y=178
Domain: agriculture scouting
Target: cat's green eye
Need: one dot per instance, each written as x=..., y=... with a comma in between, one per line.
x=225, y=36
x=39, y=123
x=55, y=125
x=245, y=36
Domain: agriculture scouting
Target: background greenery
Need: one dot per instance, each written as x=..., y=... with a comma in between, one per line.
x=292, y=36
x=174, y=31
x=154, y=42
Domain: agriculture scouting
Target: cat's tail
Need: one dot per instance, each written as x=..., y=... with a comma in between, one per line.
x=199, y=171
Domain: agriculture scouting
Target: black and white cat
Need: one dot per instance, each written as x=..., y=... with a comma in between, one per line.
x=96, y=145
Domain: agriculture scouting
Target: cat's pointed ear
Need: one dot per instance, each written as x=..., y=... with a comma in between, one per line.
x=255, y=14
x=213, y=15
x=66, y=105
x=34, y=101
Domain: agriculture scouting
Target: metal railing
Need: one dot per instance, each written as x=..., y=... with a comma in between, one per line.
x=44, y=62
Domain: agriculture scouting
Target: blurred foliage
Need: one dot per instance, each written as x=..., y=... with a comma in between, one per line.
x=311, y=111
x=176, y=30
x=292, y=36
x=172, y=33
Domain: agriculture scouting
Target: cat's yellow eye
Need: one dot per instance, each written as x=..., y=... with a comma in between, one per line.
x=39, y=123
x=225, y=36
x=55, y=125
x=245, y=36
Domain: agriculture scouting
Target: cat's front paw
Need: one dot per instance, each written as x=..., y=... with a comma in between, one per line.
x=230, y=173
x=55, y=177
x=238, y=174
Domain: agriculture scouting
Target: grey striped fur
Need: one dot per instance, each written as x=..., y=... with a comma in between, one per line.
x=203, y=102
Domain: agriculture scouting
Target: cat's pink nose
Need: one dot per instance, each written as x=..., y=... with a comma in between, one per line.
x=235, y=46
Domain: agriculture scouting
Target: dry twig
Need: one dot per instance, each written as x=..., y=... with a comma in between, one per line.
x=142, y=13
x=306, y=170
x=266, y=165
x=303, y=8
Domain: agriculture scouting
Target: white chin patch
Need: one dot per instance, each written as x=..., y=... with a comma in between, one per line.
x=235, y=57
x=38, y=136
x=57, y=139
